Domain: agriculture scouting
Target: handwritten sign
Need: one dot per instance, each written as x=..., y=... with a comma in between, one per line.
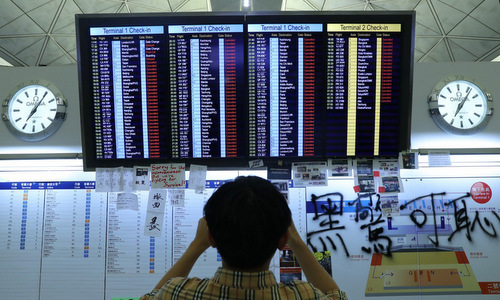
x=109, y=179
x=157, y=200
x=167, y=176
x=155, y=213
x=154, y=224
x=177, y=197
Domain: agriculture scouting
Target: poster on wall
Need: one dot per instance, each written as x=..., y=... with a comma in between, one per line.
x=440, y=240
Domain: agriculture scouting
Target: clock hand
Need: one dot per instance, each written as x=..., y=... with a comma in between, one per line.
x=461, y=104
x=33, y=110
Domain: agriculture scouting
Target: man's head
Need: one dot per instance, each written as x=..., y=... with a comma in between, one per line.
x=247, y=218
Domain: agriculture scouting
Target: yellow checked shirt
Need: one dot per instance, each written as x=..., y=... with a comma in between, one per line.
x=231, y=285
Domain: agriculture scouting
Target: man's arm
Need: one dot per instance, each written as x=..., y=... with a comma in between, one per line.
x=315, y=273
x=184, y=265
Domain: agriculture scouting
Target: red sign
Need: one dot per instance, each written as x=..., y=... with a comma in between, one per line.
x=480, y=192
x=488, y=288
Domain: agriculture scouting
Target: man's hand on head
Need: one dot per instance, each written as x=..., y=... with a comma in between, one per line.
x=201, y=240
x=293, y=238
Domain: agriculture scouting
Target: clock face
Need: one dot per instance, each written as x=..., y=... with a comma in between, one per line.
x=460, y=106
x=34, y=111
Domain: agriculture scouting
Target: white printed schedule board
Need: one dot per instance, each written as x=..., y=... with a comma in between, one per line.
x=63, y=237
x=442, y=235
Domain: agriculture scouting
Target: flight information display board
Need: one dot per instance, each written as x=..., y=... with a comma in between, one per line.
x=285, y=91
x=223, y=90
x=128, y=96
x=363, y=89
x=206, y=104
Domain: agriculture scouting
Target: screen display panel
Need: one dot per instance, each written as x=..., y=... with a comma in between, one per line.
x=161, y=87
x=225, y=89
x=207, y=103
x=126, y=92
x=285, y=67
x=363, y=89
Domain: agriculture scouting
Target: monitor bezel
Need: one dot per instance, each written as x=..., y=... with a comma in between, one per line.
x=84, y=21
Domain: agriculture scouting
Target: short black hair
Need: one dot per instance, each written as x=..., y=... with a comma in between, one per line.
x=246, y=218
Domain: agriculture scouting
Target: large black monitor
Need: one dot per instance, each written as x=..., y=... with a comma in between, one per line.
x=224, y=89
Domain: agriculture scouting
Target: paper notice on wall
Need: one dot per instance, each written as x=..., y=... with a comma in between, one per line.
x=309, y=174
x=386, y=167
x=154, y=223
x=176, y=197
x=282, y=186
x=390, y=206
x=363, y=167
x=109, y=179
x=408, y=160
x=364, y=184
x=197, y=178
x=439, y=158
x=339, y=167
x=155, y=213
x=141, y=178
x=127, y=179
x=167, y=176
x=157, y=200
x=389, y=184
x=127, y=201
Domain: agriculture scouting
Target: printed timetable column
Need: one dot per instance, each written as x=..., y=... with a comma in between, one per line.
x=337, y=92
x=390, y=89
x=102, y=97
x=378, y=85
x=184, y=224
x=352, y=81
x=207, y=101
x=285, y=89
x=74, y=241
x=366, y=98
x=134, y=259
x=21, y=218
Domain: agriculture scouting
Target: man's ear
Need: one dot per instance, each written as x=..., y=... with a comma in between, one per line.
x=283, y=240
x=211, y=240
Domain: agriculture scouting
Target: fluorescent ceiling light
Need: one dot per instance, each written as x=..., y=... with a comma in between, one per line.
x=24, y=165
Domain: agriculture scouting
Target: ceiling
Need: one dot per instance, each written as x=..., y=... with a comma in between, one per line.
x=42, y=32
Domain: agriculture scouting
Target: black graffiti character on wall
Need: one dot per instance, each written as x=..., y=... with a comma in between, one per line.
x=373, y=216
x=329, y=206
x=327, y=213
x=463, y=222
x=460, y=215
x=328, y=210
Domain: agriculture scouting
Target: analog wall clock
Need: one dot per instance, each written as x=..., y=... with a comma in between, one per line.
x=34, y=110
x=460, y=106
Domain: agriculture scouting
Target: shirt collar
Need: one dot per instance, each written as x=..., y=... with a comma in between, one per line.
x=244, y=280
